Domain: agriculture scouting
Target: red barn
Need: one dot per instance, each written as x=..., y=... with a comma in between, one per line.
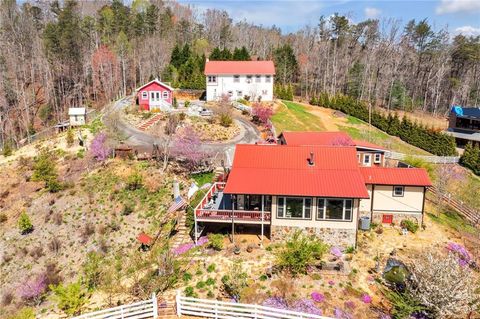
x=155, y=95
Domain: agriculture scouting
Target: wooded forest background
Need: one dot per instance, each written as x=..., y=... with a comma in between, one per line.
x=58, y=55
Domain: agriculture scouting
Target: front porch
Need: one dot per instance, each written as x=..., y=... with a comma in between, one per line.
x=218, y=207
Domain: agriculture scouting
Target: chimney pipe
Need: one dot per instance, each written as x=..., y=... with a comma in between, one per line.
x=311, y=161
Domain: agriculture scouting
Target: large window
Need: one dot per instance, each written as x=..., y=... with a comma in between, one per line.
x=294, y=207
x=334, y=209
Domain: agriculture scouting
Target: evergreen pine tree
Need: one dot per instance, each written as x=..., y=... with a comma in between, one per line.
x=216, y=54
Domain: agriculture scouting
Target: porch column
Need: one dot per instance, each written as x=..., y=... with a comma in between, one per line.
x=261, y=239
x=195, y=229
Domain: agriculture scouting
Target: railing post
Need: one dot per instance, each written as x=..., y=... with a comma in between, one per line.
x=216, y=309
x=121, y=312
x=179, y=303
x=155, y=306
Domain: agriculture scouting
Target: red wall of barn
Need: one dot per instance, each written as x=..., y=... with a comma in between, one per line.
x=143, y=104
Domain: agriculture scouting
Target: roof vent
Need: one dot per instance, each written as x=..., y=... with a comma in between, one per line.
x=311, y=161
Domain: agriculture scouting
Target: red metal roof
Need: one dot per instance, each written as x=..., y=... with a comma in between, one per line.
x=326, y=138
x=365, y=144
x=239, y=67
x=395, y=176
x=317, y=138
x=284, y=170
x=144, y=239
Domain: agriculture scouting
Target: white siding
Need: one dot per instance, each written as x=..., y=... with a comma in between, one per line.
x=384, y=201
x=254, y=89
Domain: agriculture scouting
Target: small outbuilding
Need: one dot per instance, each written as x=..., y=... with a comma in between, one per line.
x=155, y=95
x=77, y=116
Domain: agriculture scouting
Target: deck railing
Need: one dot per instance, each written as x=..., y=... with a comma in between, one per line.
x=225, y=214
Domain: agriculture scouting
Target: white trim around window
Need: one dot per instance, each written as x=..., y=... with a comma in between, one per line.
x=284, y=209
x=329, y=209
x=165, y=95
x=369, y=162
x=377, y=158
x=212, y=79
x=398, y=191
x=144, y=95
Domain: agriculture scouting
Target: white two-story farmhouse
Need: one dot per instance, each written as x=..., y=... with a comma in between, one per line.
x=252, y=80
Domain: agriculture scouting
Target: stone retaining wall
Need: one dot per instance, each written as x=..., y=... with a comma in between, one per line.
x=398, y=217
x=333, y=236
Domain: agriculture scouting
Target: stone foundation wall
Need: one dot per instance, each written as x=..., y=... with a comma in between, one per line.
x=332, y=236
x=398, y=217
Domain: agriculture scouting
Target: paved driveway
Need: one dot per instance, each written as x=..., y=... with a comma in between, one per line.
x=249, y=134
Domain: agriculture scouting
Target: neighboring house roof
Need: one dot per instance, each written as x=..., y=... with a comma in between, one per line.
x=284, y=170
x=468, y=112
x=239, y=67
x=77, y=111
x=158, y=82
x=326, y=139
x=395, y=176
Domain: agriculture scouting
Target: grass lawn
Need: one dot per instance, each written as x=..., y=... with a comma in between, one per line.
x=203, y=178
x=292, y=116
x=455, y=221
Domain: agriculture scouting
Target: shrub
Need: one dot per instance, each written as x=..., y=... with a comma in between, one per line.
x=7, y=149
x=3, y=218
x=187, y=103
x=98, y=148
x=215, y=241
x=189, y=292
x=134, y=181
x=210, y=282
x=92, y=270
x=187, y=276
x=182, y=116
x=127, y=209
x=211, y=268
x=44, y=169
x=175, y=102
x=210, y=294
x=7, y=298
x=200, y=285
x=24, y=224
x=350, y=250
x=409, y=225
x=33, y=289
x=226, y=120
x=70, y=298
x=471, y=158
x=261, y=113
x=54, y=245
x=235, y=281
x=70, y=137
x=24, y=313
x=299, y=252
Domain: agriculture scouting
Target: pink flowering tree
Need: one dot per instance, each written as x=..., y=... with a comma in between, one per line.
x=32, y=290
x=187, y=145
x=98, y=148
x=261, y=113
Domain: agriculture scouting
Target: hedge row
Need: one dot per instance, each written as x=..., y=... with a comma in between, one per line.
x=435, y=142
x=471, y=158
x=283, y=92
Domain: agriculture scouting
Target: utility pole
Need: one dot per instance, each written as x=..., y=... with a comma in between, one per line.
x=233, y=218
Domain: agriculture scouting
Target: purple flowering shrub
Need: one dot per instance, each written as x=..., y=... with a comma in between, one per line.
x=366, y=298
x=32, y=289
x=302, y=305
x=464, y=257
x=98, y=148
x=341, y=314
x=317, y=297
x=336, y=251
x=182, y=249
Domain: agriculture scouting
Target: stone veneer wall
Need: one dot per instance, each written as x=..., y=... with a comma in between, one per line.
x=398, y=217
x=333, y=236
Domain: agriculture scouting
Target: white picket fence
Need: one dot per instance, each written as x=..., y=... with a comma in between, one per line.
x=139, y=310
x=230, y=310
x=429, y=159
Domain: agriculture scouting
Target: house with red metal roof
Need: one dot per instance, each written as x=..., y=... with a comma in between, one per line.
x=155, y=95
x=319, y=189
x=251, y=80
